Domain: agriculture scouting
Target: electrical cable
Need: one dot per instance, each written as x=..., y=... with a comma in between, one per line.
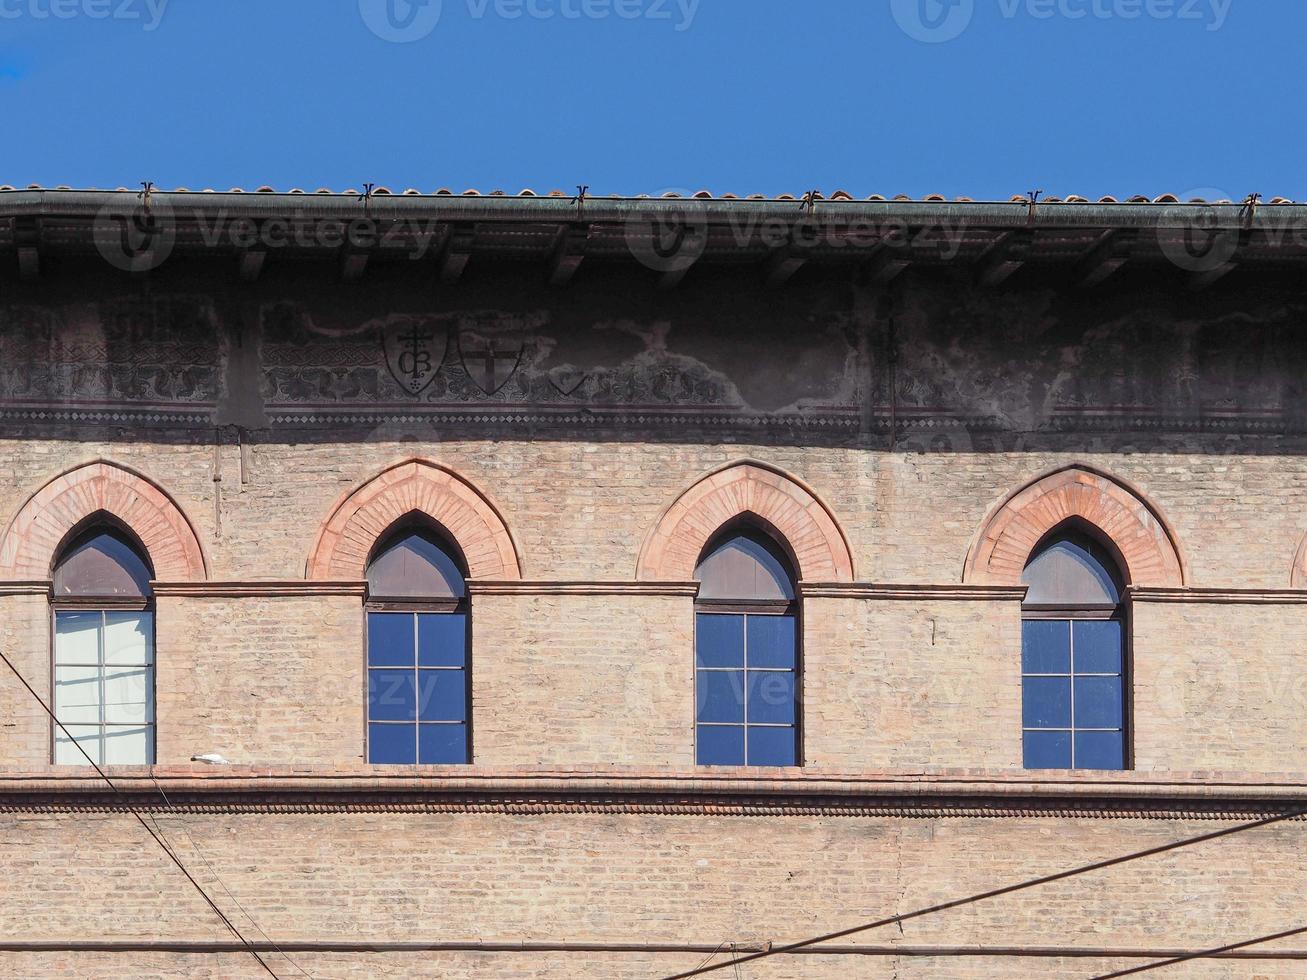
x=231, y=926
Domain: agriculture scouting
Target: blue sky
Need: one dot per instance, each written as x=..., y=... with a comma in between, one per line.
x=985, y=98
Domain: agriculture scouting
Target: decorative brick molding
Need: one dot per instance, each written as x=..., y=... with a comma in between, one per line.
x=1146, y=543
x=362, y=515
x=34, y=536
x=674, y=547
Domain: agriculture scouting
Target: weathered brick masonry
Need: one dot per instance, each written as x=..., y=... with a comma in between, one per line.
x=910, y=442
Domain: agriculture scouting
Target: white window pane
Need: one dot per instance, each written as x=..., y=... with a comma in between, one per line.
x=128, y=695
x=77, y=694
x=128, y=638
x=127, y=746
x=77, y=638
x=66, y=752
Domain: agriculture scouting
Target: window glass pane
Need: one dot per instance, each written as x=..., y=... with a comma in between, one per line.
x=442, y=745
x=771, y=697
x=128, y=638
x=392, y=695
x=77, y=637
x=67, y=754
x=772, y=641
x=442, y=695
x=721, y=695
x=392, y=745
x=128, y=696
x=1098, y=646
x=127, y=746
x=1046, y=647
x=1070, y=571
x=415, y=564
x=772, y=747
x=1098, y=702
x=390, y=639
x=77, y=694
x=720, y=746
x=1046, y=702
x=101, y=563
x=1048, y=750
x=1100, y=750
x=719, y=640
x=442, y=639
x=745, y=567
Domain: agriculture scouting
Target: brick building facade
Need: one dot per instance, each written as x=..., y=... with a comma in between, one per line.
x=909, y=399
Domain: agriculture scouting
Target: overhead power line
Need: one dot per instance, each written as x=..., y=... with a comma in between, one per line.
x=158, y=839
x=995, y=893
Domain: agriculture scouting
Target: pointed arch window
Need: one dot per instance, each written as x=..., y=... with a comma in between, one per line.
x=746, y=654
x=418, y=708
x=103, y=610
x=1073, y=656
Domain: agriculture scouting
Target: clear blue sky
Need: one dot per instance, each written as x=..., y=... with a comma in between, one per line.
x=633, y=96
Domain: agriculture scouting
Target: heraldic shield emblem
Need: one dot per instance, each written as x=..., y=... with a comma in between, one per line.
x=414, y=352
x=490, y=358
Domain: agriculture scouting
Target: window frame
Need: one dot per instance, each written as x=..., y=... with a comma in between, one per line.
x=751, y=607
x=416, y=606
x=1090, y=612
x=82, y=603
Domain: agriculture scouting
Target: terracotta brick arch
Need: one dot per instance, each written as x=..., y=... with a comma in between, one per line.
x=1298, y=579
x=1145, y=541
x=674, y=547
x=32, y=539
x=361, y=516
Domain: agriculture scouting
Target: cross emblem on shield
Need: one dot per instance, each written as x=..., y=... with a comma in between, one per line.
x=489, y=361
x=414, y=353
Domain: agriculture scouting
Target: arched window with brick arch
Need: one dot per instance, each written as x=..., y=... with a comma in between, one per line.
x=103, y=612
x=418, y=650
x=747, y=665
x=1074, y=667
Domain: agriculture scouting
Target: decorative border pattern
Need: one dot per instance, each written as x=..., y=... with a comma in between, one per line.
x=255, y=589
x=687, y=589
x=867, y=590
x=1278, y=597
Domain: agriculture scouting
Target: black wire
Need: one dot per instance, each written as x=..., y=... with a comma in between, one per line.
x=141, y=820
x=995, y=893
x=1205, y=954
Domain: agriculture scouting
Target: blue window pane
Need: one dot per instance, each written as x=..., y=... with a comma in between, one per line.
x=392, y=745
x=442, y=639
x=1098, y=702
x=771, y=697
x=442, y=745
x=1046, y=647
x=721, y=746
x=1046, y=702
x=772, y=747
x=392, y=695
x=720, y=695
x=772, y=641
x=1100, y=750
x=1048, y=750
x=719, y=641
x=442, y=695
x=390, y=639
x=1098, y=647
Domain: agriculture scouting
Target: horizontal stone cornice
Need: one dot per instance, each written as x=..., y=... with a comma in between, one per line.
x=869, y=590
x=583, y=588
x=253, y=589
